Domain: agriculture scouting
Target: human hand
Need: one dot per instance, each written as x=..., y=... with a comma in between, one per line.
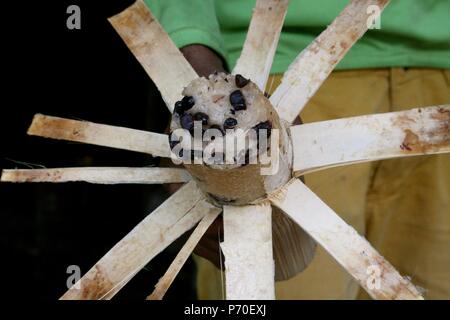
x=203, y=59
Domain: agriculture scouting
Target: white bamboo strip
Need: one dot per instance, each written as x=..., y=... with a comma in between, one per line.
x=156, y=52
x=166, y=281
x=376, y=275
x=262, y=40
x=314, y=64
x=326, y=144
x=183, y=225
x=247, y=248
x=99, y=175
x=159, y=229
x=100, y=134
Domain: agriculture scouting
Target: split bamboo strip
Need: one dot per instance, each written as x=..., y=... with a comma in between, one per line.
x=247, y=247
x=326, y=144
x=100, y=134
x=99, y=175
x=314, y=64
x=166, y=281
x=159, y=229
x=376, y=275
x=154, y=49
x=262, y=40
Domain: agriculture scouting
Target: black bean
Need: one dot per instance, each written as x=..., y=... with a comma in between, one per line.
x=237, y=100
x=188, y=102
x=241, y=81
x=246, y=159
x=172, y=142
x=230, y=123
x=203, y=117
x=187, y=122
x=265, y=125
x=179, y=108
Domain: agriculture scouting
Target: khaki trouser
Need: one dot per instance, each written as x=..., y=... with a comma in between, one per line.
x=402, y=206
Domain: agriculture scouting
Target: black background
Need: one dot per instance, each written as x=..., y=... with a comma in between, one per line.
x=84, y=74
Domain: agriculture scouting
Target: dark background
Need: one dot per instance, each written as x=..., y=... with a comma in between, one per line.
x=84, y=74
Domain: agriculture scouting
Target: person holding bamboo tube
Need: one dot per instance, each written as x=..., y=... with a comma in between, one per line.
x=401, y=206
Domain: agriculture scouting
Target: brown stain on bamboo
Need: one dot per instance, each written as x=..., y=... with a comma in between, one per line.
x=403, y=120
x=442, y=114
x=401, y=289
x=97, y=287
x=344, y=45
x=57, y=128
x=35, y=175
x=129, y=23
x=413, y=142
x=217, y=98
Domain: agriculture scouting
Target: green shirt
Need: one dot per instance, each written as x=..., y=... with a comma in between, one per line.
x=414, y=33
